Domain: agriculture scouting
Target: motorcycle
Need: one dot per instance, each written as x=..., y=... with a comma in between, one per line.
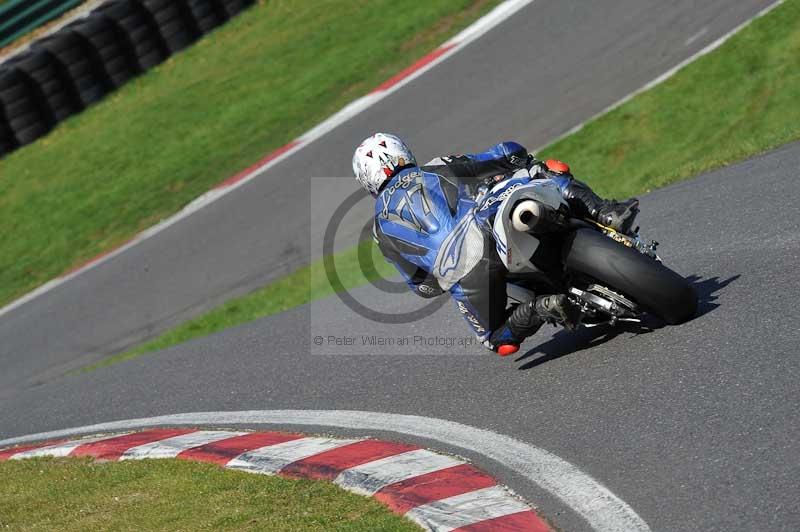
x=612, y=277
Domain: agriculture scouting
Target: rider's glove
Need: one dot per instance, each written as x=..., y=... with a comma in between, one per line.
x=428, y=289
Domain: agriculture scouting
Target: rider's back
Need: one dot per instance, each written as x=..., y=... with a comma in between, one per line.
x=417, y=210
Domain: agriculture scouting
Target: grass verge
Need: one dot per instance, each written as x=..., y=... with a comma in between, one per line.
x=166, y=137
x=84, y=495
x=731, y=104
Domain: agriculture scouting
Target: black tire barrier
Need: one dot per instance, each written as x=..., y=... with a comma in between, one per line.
x=114, y=52
x=207, y=15
x=8, y=142
x=23, y=106
x=54, y=96
x=175, y=22
x=234, y=7
x=140, y=34
x=78, y=65
x=80, y=62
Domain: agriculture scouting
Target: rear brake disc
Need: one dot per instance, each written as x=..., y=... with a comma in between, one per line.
x=620, y=300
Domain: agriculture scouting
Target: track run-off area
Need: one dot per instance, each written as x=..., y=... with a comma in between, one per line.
x=690, y=426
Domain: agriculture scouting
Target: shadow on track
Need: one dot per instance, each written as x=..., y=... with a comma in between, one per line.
x=707, y=292
x=565, y=343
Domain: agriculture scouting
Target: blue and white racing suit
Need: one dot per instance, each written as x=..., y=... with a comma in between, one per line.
x=428, y=225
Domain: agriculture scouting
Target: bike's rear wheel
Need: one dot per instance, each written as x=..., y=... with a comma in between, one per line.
x=649, y=283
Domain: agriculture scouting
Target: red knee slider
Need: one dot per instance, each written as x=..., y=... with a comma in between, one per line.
x=554, y=165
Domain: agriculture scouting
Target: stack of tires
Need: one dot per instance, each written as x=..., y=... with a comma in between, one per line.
x=78, y=65
x=22, y=109
x=113, y=57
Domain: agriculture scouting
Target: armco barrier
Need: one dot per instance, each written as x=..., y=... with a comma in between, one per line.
x=79, y=64
x=18, y=17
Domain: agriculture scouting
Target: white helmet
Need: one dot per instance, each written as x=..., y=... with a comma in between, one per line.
x=377, y=158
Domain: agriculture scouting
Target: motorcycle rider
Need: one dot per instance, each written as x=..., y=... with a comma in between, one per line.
x=427, y=225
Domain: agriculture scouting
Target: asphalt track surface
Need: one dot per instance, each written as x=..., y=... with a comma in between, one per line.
x=696, y=427
x=538, y=74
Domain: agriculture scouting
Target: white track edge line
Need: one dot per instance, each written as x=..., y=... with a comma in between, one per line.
x=587, y=497
x=468, y=35
x=665, y=76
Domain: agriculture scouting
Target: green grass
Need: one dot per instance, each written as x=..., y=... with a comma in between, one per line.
x=175, y=495
x=734, y=103
x=170, y=135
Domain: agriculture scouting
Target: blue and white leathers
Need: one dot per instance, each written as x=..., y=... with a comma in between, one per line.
x=413, y=209
x=428, y=225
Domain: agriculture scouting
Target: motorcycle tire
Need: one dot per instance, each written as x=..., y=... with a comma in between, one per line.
x=649, y=283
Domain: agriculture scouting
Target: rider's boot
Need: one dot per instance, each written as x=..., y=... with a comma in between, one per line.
x=523, y=322
x=558, y=308
x=618, y=215
x=528, y=317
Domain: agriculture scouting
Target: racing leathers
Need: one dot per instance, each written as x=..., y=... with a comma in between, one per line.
x=428, y=224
